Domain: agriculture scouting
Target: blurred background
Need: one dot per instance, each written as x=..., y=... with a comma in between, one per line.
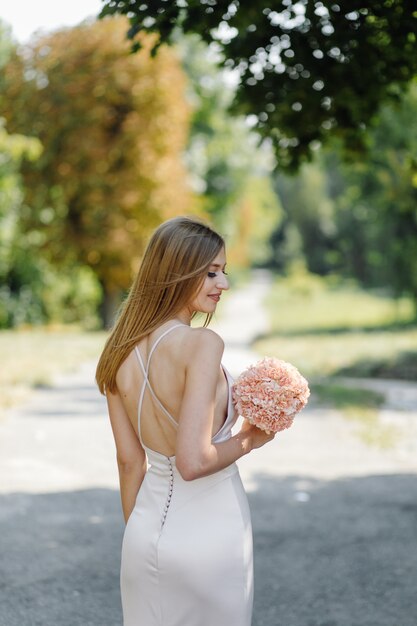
x=303, y=153
x=292, y=128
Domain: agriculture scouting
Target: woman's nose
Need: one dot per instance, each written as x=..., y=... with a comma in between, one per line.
x=223, y=283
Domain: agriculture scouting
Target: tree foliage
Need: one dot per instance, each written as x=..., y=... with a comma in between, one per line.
x=358, y=219
x=230, y=166
x=18, y=298
x=222, y=150
x=18, y=302
x=308, y=69
x=113, y=127
x=377, y=212
x=308, y=229
x=257, y=214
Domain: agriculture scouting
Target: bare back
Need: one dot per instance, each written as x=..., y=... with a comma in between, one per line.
x=166, y=365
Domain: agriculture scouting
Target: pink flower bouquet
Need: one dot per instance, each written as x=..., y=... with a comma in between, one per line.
x=270, y=393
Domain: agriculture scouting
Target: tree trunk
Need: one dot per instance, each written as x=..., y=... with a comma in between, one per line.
x=109, y=306
x=414, y=296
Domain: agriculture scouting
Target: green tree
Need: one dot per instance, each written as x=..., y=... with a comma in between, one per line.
x=113, y=127
x=377, y=212
x=221, y=150
x=308, y=70
x=19, y=297
x=257, y=214
x=358, y=219
x=230, y=166
x=19, y=301
x=308, y=231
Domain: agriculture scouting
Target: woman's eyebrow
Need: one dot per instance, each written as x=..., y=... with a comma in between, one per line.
x=216, y=265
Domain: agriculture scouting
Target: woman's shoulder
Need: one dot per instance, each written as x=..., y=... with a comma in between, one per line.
x=204, y=340
x=207, y=336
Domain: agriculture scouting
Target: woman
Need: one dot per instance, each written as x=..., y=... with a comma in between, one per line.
x=187, y=548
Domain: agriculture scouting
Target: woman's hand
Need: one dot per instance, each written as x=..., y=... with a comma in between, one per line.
x=257, y=437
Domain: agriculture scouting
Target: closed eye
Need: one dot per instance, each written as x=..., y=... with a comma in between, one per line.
x=214, y=274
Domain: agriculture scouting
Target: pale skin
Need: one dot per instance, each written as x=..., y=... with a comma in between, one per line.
x=190, y=383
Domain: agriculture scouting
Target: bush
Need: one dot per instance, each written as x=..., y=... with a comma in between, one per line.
x=36, y=293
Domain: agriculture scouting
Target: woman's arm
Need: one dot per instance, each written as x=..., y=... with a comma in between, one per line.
x=196, y=455
x=131, y=457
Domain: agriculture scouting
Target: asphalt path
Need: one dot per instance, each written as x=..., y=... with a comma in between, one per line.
x=334, y=519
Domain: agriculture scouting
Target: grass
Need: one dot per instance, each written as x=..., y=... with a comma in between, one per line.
x=340, y=397
x=326, y=329
x=32, y=357
x=344, y=353
x=332, y=305
x=360, y=406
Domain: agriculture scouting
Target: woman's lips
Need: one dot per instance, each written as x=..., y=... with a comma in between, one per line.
x=214, y=297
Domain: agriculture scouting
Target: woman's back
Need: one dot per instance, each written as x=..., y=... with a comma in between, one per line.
x=165, y=355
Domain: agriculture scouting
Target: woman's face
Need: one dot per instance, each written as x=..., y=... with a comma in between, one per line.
x=213, y=285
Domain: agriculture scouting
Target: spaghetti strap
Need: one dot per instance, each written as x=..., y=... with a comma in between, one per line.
x=142, y=391
x=146, y=382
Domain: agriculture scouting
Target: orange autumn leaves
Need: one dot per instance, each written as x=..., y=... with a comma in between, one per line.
x=113, y=127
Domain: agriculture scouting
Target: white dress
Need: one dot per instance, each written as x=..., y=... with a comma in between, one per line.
x=187, y=547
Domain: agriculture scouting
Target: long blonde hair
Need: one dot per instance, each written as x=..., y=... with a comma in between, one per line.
x=173, y=266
